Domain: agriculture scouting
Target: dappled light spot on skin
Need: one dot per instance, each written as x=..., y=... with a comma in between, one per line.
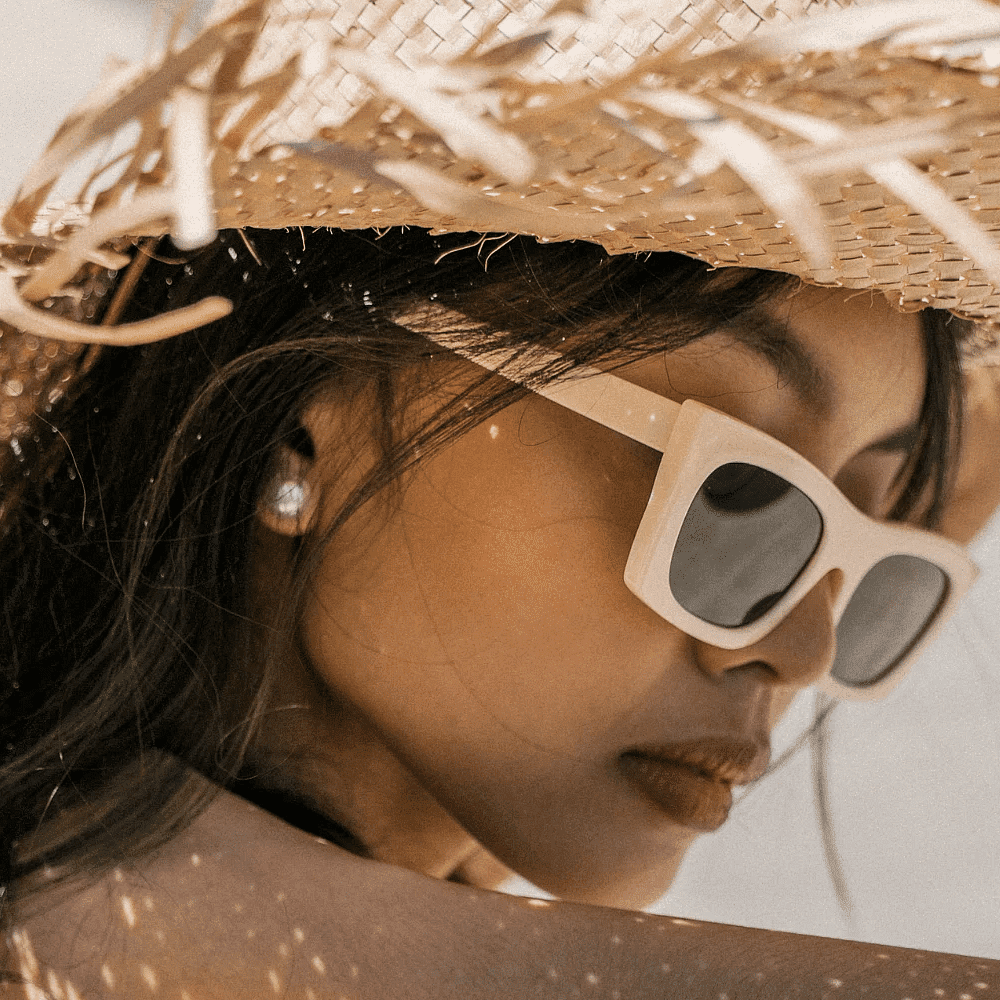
x=299, y=934
x=128, y=911
x=149, y=904
x=283, y=950
x=494, y=431
x=119, y=875
x=149, y=977
x=195, y=860
x=55, y=990
x=319, y=965
x=275, y=980
x=29, y=970
x=553, y=975
x=835, y=983
x=55, y=987
x=615, y=939
x=592, y=979
x=26, y=960
x=108, y=976
x=665, y=968
x=538, y=903
x=681, y=922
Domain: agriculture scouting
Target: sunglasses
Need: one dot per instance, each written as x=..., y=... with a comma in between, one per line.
x=739, y=528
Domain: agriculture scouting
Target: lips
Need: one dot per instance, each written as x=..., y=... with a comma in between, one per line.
x=692, y=781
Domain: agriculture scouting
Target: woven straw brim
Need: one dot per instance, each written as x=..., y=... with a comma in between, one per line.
x=857, y=147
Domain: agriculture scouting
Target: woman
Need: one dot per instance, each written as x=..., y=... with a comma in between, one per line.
x=320, y=555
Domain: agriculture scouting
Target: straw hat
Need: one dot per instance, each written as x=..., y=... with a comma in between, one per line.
x=853, y=145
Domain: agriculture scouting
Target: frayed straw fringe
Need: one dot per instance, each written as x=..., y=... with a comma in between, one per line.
x=856, y=146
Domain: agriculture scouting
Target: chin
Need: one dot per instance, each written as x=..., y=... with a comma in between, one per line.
x=625, y=889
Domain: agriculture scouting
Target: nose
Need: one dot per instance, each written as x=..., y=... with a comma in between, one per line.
x=798, y=651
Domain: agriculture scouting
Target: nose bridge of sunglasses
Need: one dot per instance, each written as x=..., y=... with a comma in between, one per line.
x=836, y=590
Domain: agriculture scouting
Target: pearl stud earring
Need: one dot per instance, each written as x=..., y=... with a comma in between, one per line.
x=289, y=499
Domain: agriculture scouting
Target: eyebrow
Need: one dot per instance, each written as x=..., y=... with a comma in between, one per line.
x=777, y=343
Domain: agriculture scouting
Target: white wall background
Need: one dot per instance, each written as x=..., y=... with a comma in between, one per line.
x=915, y=780
x=915, y=793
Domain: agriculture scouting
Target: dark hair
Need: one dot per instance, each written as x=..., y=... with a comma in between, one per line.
x=126, y=659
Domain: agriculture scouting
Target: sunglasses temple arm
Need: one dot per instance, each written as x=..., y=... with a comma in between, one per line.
x=611, y=401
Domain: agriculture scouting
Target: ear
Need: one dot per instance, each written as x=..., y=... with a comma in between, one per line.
x=289, y=501
x=308, y=472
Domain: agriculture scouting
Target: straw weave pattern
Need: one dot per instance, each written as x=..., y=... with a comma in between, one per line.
x=808, y=137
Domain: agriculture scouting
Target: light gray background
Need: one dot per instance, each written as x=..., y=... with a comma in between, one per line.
x=915, y=779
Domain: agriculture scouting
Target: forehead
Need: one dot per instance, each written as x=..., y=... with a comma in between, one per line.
x=827, y=371
x=869, y=358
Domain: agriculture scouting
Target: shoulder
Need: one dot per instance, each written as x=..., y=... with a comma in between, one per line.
x=227, y=908
x=241, y=906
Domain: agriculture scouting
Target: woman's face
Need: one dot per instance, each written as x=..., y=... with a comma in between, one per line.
x=476, y=670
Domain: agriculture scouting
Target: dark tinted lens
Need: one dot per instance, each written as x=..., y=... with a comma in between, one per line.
x=886, y=615
x=738, y=487
x=746, y=538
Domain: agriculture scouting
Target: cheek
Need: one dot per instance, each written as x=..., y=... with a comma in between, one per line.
x=495, y=588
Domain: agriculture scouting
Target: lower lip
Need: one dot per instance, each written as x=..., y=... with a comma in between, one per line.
x=687, y=796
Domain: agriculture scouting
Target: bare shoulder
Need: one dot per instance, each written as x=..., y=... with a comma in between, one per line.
x=229, y=908
x=242, y=906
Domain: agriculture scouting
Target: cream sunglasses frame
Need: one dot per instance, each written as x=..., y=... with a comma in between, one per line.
x=695, y=440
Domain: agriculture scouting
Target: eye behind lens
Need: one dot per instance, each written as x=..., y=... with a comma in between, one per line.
x=745, y=540
x=739, y=487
